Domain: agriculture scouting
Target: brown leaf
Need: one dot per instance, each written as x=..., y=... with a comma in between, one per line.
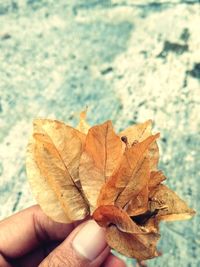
x=109, y=214
x=67, y=141
x=126, y=183
x=138, y=181
x=169, y=206
x=57, y=175
x=74, y=172
x=139, y=132
x=156, y=177
x=140, y=247
x=138, y=204
x=54, y=157
x=152, y=224
x=101, y=156
x=125, y=235
x=44, y=195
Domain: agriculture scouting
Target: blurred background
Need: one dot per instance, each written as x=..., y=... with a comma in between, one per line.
x=127, y=60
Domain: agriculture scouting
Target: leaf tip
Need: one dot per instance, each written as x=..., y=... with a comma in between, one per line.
x=83, y=114
x=150, y=122
x=157, y=135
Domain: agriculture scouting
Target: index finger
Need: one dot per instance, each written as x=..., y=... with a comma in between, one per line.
x=26, y=230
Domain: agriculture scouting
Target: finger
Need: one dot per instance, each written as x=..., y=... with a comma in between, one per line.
x=85, y=246
x=113, y=261
x=34, y=258
x=27, y=229
x=3, y=262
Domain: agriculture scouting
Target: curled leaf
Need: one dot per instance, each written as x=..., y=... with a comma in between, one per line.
x=130, y=245
x=168, y=204
x=128, y=238
x=107, y=215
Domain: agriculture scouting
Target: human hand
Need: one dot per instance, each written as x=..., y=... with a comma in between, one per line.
x=29, y=239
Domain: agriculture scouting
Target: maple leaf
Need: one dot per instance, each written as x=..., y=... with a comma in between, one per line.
x=112, y=177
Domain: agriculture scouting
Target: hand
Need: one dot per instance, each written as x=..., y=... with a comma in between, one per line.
x=30, y=239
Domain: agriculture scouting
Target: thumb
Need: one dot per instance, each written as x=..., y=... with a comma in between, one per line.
x=85, y=246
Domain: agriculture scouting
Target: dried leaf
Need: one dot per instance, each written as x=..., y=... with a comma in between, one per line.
x=138, y=133
x=108, y=214
x=151, y=223
x=126, y=182
x=56, y=173
x=56, y=152
x=129, y=239
x=41, y=189
x=130, y=245
x=169, y=206
x=101, y=156
x=139, y=204
x=156, y=177
x=76, y=172
x=67, y=141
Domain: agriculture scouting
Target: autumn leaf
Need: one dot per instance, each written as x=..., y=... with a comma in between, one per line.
x=139, y=204
x=131, y=176
x=67, y=141
x=44, y=195
x=109, y=214
x=101, y=156
x=112, y=177
x=124, y=235
x=168, y=204
x=138, y=133
x=54, y=154
x=156, y=177
x=124, y=244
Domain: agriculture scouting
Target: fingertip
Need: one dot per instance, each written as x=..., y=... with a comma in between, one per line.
x=114, y=261
x=90, y=240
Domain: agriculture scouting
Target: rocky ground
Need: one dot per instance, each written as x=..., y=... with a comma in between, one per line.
x=128, y=60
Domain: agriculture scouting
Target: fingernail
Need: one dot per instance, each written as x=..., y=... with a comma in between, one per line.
x=90, y=241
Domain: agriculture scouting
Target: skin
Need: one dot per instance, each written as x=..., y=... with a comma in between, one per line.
x=30, y=238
